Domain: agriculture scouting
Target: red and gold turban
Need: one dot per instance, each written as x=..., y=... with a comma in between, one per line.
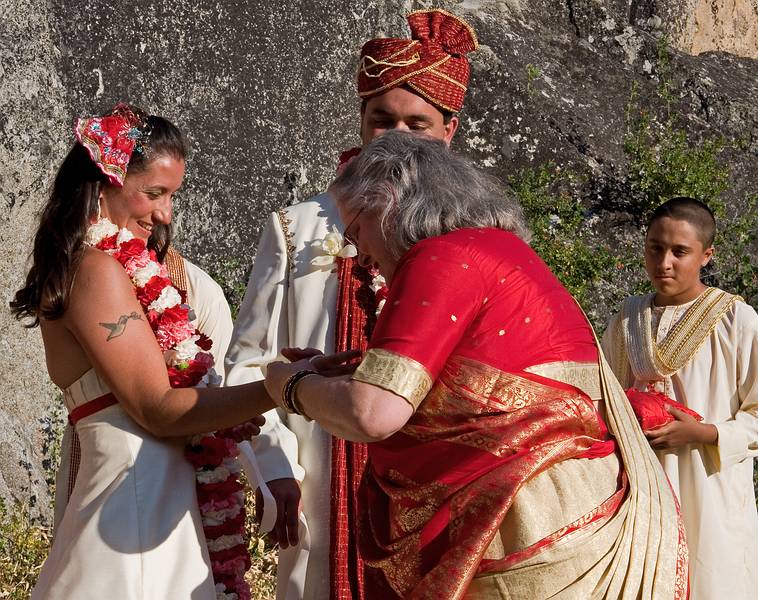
x=432, y=63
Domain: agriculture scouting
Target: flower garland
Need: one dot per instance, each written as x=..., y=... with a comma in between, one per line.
x=185, y=350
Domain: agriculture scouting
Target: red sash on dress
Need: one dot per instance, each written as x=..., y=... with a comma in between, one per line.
x=91, y=407
x=356, y=315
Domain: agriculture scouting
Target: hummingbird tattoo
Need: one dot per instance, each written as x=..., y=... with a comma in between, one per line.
x=116, y=329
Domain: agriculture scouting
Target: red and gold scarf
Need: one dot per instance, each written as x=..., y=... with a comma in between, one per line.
x=356, y=308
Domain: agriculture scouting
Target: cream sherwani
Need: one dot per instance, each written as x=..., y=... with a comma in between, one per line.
x=291, y=303
x=212, y=314
x=212, y=317
x=713, y=483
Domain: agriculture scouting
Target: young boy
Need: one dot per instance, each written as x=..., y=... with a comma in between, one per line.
x=699, y=345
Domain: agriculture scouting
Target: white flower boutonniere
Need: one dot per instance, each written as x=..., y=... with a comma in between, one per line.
x=332, y=247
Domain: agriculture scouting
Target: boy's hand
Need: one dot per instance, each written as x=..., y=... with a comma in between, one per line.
x=685, y=430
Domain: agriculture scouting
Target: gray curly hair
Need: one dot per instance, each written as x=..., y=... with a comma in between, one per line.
x=419, y=189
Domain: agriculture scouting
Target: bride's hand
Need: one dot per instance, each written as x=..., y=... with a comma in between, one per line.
x=244, y=431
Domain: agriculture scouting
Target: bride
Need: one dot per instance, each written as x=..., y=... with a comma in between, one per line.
x=119, y=343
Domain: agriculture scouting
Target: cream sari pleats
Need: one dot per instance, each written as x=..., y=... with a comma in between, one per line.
x=640, y=552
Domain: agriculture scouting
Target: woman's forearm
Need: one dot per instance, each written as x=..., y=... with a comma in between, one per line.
x=190, y=411
x=352, y=410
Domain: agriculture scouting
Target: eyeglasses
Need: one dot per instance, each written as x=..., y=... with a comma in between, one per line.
x=347, y=235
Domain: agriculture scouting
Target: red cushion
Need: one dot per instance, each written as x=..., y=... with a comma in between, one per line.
x=650, y=408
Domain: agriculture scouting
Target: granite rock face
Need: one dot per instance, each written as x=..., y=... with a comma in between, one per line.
x=33, y=139
x=265, y=92
x=698, y=26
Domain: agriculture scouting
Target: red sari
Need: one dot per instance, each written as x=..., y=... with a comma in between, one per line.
x=468, y=314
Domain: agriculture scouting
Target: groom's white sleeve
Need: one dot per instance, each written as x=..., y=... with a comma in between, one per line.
x=260, y=331
x=212, y=314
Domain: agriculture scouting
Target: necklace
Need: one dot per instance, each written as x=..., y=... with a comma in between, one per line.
x=220, y=494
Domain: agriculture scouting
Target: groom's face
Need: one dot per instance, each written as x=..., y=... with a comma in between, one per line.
x=401, y=109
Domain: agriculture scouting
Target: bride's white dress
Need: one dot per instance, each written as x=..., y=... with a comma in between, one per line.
x=132, y=526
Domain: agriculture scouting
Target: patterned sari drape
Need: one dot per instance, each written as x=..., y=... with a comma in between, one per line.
x=469, y=317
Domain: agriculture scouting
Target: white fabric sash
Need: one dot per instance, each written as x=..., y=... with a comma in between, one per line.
x=294, y=560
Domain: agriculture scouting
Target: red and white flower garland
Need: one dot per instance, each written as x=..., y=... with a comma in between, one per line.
x=185, y=350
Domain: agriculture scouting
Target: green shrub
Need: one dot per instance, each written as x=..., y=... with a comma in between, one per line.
x=561, y=232
x=232, y=276
x=663, y=163
x=734, y=264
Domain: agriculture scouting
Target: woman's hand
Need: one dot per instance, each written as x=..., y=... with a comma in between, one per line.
x=277, y=373
x=244, y=431
x=684, y=430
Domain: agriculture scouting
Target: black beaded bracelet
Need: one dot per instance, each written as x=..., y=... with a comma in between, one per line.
x=294, y=400
x=289, y=388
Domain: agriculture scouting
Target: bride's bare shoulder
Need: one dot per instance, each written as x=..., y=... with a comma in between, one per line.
x=99, y=277
x=97, y=266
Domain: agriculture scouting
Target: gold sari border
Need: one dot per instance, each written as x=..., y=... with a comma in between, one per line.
x=177, y=272
x=396, y=373
x=585, y=376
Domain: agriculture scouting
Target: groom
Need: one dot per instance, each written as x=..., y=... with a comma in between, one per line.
x=302, y=294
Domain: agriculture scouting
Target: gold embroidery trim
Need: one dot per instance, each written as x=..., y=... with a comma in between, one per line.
x=685, y=339
x=396, y=373
x=394, y=55
x=450, y=80
x=285, y=222
x=585, y=376
x=621, y=364
x=368, y=62
x=404, y=78
x=496, y=389
x=175, y=267
x=430, y=99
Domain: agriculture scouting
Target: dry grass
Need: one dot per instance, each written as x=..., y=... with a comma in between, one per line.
x=262, y=573
x=23, y=548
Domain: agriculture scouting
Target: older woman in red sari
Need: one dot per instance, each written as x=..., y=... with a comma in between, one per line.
x=504, y=463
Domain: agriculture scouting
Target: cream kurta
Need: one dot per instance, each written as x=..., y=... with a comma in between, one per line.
x=291, y=303
x=715, y=483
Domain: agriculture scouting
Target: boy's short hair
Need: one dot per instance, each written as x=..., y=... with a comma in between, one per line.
x=696, y=213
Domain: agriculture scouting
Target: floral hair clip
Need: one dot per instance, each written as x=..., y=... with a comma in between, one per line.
x=111, y=140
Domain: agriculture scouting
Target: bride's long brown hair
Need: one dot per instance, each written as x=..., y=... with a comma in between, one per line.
x=73, y=202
